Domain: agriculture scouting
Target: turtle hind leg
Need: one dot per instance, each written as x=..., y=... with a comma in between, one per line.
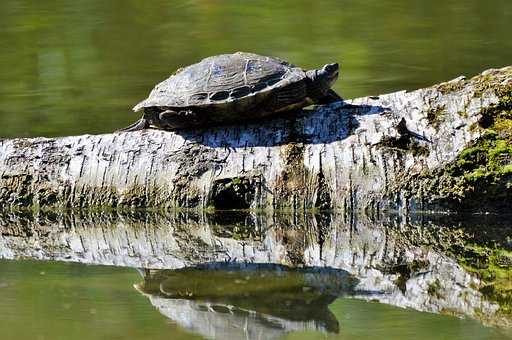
x=171, y=120
x=329, y=98
x=141, y=124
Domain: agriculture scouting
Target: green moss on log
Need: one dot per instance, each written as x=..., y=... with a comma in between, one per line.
x=435, y=115
x=492, y=265
x=484, y=169
x=480, y=178
x=480, y=245
x=434, y=289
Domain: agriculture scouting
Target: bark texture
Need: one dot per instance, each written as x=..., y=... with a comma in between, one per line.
x=371, y=153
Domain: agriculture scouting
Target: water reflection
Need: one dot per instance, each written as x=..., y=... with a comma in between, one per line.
x=227, y=301
x=427, y=263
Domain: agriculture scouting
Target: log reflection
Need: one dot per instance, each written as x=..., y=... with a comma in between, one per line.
x=429, y=262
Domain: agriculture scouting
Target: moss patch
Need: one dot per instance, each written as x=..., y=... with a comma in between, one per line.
x=435, y=115
x=451, y=86
x=480, y=244
x=434, y=289
x=489, y=158
x=480, y=178
x=492, y=265
x=483, y=171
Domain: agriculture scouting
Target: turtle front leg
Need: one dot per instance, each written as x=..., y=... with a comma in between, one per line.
x=330, y=97
x=171, y=119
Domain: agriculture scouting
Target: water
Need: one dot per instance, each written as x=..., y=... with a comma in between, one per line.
x=43, y=300
x=242, y=275
x=78, y=67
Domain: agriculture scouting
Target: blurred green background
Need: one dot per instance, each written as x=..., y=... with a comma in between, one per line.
x=74, y=67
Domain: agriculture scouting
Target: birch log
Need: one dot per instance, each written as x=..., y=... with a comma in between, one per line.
x=404, y=150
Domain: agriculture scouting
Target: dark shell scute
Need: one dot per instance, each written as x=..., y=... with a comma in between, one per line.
x=241, y=92
x=222, y=95
x=198, y=98
x=258, y=87
x=272, y=81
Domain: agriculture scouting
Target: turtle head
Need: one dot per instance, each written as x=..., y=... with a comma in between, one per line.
x=323, y=79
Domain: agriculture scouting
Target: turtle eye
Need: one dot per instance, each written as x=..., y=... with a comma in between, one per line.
x=331, y=68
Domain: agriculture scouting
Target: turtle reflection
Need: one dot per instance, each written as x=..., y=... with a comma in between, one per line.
x=246, y=301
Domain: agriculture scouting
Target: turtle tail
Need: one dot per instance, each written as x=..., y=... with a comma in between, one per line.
x=141, y=124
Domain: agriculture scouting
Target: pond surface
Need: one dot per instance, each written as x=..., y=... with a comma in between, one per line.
x=242, y=275
x=79, y=67
x=53, y=300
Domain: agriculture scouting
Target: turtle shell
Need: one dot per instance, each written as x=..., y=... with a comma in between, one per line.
x=244, y=79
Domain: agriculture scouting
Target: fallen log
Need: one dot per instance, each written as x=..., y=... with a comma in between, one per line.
x=446, y=147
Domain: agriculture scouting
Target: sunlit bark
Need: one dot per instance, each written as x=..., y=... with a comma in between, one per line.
x=366, y=153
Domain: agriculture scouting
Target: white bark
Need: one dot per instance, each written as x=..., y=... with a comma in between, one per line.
x=348, y=155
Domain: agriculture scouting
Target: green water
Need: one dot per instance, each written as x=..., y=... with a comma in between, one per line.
x=74, y=67
x=53, y=300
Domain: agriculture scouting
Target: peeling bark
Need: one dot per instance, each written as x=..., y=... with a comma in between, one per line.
x=369, y=153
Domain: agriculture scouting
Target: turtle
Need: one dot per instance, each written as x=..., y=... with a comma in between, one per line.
x=235, y=87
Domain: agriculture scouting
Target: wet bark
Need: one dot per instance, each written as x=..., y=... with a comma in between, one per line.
x=368, y=153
